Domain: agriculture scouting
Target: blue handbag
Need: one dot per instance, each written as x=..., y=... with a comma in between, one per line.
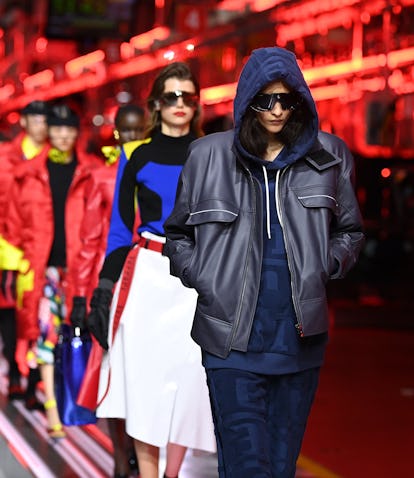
x=71, y=356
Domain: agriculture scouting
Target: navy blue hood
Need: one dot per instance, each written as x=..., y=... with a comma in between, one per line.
x=264, y=66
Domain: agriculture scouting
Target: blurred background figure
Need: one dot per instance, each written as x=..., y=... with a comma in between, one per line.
x=43, y=219
x=30, y=144
x=129, y=127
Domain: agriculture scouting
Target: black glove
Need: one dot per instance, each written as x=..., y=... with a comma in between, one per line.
x=78, y=314
x=98, y=318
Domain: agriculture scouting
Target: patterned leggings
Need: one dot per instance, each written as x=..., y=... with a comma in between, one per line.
x=52, y=312
x=260, y=420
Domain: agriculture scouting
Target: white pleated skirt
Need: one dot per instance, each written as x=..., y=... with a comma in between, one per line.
x=152, y=374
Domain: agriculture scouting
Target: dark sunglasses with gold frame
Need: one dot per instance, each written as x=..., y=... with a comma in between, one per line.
x=170, y=98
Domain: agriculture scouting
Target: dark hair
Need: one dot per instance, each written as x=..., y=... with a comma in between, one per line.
x=62, y=115
x=254, y=137
x=35, y=108
x=127, y=109
x=181, y=71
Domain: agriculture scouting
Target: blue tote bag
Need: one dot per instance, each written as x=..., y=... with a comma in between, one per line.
x=71, y=356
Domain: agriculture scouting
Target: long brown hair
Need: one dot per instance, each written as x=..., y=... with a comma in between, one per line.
x=181, y=71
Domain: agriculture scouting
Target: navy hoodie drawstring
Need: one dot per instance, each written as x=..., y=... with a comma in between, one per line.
x=266, y=180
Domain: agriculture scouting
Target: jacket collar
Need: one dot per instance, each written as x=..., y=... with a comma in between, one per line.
x=320, y=159
x=317, y=157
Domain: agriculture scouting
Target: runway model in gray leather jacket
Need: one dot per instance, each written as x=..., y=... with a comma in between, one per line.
x=213, y=235
x=265, y=215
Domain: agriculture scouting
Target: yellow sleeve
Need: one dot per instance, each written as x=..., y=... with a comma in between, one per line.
x=24, y=283
x=12, y=258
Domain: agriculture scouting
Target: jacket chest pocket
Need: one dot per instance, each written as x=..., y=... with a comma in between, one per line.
x=213, y=226
x=212, y=213
x=318, y=199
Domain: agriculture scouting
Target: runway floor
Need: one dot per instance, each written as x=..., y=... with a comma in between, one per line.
x=361, y=425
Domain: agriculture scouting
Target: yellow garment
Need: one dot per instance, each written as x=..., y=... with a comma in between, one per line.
x=30, y=150
x=132, y=145
x=24, y=283
x=60, y=157
x=111, y=154
x=11, y=257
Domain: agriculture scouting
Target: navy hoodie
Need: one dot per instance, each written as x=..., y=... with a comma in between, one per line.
x=274, y=345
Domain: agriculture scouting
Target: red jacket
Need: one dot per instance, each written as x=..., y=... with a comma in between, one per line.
x=30, y=227
x=95, y=224
x=94, y=229
x=11, y=156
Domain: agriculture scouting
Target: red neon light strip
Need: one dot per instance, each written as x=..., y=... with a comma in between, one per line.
x=400, y=57
x=146, y=39
x=254, y=5
x=6, y=92
x=345, y=68
x=217, y=94
x=147, y=62
x=42, y=79
x=75, y=66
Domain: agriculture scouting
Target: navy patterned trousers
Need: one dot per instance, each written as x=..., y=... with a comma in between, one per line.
x=260, y=420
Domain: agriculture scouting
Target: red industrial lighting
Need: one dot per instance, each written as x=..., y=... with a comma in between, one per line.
x=339, y=90
x=233, y=5
x=134, y=66
x=385, y=172
x=229, y=58
x=145, y=40
x=43, y=79
x=217, y=94
x=262, y=5
x=303, y=11
x=253, y=5
x=13, y=117
x=369, y=84
x=76, y=66
x=365, y=18
x=41, y=44
x=6, y=92
x=310, y=26
x=67, y=87
x=345, y=68
x=150, y=61
x=126, y=51
x=400, y=57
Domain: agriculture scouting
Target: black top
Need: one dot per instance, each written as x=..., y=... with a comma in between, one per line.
x=60, y=178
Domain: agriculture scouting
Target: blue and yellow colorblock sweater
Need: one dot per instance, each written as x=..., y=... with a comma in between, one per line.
x=147, y=180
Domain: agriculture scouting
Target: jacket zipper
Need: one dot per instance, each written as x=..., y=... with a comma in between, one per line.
x=298, y=325
x=237, y=321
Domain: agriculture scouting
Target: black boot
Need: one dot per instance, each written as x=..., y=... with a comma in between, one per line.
x=16, y=391
x=31, y=401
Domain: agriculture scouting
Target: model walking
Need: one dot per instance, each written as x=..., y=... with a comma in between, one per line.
x=156, y=379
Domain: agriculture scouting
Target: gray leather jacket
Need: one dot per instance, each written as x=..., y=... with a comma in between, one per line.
x=214, y=235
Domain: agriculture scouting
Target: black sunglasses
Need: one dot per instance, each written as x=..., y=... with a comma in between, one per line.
x=266, y=101
x=171, y=98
